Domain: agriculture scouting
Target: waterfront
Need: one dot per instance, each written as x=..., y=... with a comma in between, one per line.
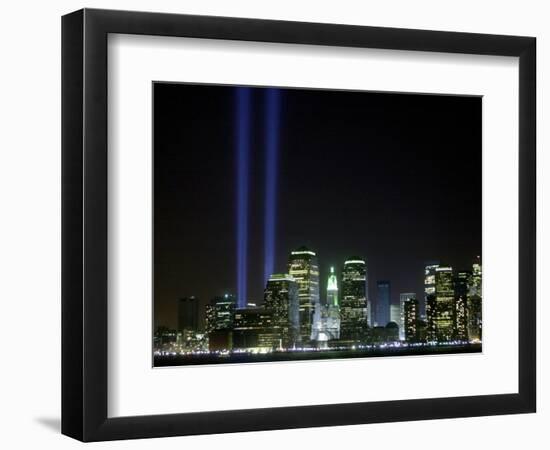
x=166, y=360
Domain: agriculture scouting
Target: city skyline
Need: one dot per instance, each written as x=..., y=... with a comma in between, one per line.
x=394, y=177
x=396, y=299
x=296, y=322
x=311, y=220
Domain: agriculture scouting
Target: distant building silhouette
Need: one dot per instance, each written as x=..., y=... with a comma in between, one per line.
x=188, y=314
x=382, y=303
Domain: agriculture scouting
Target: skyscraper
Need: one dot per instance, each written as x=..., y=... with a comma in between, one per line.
x=440, y=306
x=462, y=284
x=429, y=283
x=403, y=297
x=281, y=297
x=474, y=304
x=382, y=303
x=304, y=268
x=353, y=302
x=411, y=315
x=188, y=314
x=219, y=322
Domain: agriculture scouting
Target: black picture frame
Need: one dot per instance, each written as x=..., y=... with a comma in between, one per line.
x=84, y=224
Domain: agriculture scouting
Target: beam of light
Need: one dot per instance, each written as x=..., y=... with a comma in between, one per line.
x=242, y=144
x=272, y=123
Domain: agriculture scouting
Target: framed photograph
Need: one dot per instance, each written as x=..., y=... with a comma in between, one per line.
x=273, y=224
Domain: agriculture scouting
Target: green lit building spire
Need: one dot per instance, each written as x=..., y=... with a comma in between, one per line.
x=332, y=308
x=332, y=289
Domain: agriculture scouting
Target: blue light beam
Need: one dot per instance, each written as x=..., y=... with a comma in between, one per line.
x=243, y=162
x=272, y=124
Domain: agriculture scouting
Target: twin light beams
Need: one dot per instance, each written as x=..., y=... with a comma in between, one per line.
x=243, y=98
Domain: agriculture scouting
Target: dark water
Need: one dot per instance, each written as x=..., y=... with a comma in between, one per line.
x=183, y=360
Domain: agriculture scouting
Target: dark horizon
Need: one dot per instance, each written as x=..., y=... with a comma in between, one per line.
x=392, y=178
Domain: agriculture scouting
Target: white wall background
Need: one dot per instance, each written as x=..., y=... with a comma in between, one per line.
x=30, y=226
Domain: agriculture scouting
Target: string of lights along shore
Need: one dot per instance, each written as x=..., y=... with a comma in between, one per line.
x=300, y=313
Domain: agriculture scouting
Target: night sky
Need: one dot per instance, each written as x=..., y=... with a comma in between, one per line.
x=392, y=178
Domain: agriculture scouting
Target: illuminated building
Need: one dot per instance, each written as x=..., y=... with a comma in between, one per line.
x=462, y=284
x=422, y=330
x=219, y=313
x=403, y=297
x=253, y=330
x=190, y=340
x=382, y=303
x=411, y=318
x=440, y=306
x=429, y=282
x=326, y=325
x=188, y=314
x=474, y=319
x=395, y=315
x=281, y=297
x=474, y=304
x=219, y=322
x=164, y=339
x=461, y=330
x=304, y=268
x=475, y=288
x=353, y=302
x=370, y=312
x=333, y=307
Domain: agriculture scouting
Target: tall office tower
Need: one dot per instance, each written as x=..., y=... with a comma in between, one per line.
x=462, y=284
x=332, y=320
x=382, y=303
x=281, y=297
x=403, y=297
x=411, y=318
x=353, y=302
x=429, y=284
x=219, y=313
x=440, y=306
x=304, y=268
x=188, y=314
